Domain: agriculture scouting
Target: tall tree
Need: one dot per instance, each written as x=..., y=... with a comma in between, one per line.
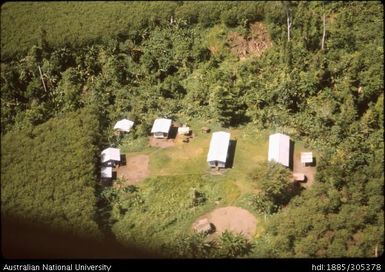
x=289, y=18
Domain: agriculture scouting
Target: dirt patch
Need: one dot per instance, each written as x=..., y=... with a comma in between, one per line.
x=253, y=45
x=135, y=170
x=234, y=219
x=217, y=172
x=308, y=171
x=162, y=143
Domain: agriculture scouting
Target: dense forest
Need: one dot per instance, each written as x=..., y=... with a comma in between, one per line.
x=32, y=187
x=313, y=70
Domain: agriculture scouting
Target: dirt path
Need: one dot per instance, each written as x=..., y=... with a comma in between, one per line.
x=233, y=219
x=135, y=170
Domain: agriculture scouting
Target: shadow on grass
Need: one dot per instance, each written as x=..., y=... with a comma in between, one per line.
x=231, y=154
x=294, y=189
x=291, y=155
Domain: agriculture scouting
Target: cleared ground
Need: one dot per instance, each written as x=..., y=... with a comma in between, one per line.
x=191, y=158
x=298, y=167
x=234, y=219
x=162, y=143
x=255, y=44
x=135, y=169
x=174, y=171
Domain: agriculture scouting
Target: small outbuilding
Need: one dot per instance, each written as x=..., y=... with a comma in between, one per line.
x=306, y=157
x=123, y=125
x=161, y=128
x=299, y=177
x=110, y=156
x=279, y=149
x=184, y=130
x=106, y=172
x=218, y=150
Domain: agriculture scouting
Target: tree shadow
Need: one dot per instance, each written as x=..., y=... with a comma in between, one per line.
x=212, y=229
x=103, y=219
x=107, y=182
x=296, y=188
x=240, y=120
x=305, y=180
x=34, y=239
x=231, y=154
x=293, y=190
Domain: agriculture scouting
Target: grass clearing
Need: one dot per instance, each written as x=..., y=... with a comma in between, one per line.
x=182, y=158
x=167, y=212
x=190, y=158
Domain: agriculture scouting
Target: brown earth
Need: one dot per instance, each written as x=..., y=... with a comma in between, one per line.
x=217, y=172
x=162, y=143
x=309, y=171
x=253, y=45
x=135, y=169
x=234, y=219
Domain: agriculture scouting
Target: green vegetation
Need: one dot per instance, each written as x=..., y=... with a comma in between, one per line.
x=74, y=23
x=275, y=185
x=31, y=187
x=163, y=208
x=229, y=245
x=323, y=86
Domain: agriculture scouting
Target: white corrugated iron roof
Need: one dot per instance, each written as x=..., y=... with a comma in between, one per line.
x=111, y=153
x=306, y=157
x=279, y=148
x=161, y=125
x=124, y=125
x=298, y=176
x=106, y=172
x=219, y=146
x=183, y=130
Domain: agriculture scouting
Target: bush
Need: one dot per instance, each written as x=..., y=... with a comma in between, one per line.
x=273, y=180
x=197, y=198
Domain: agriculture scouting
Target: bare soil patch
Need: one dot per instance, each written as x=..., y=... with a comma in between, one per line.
x=234, y=219
x=217, y=172
x=135, y=170
x=308, y=171
x=257, y=42
x=161, y=143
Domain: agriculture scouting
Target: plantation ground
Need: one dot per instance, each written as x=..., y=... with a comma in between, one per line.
x=68, y=22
